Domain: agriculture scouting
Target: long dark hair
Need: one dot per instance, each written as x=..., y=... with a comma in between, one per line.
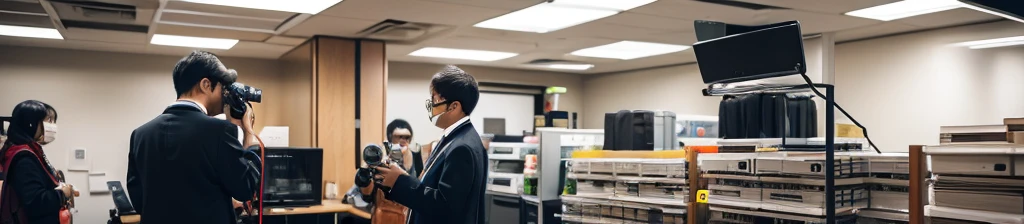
x=25, y=121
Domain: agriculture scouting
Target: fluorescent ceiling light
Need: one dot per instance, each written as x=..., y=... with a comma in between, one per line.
x=990, y=43
x=34, y=32
x=194, y=42
x=569, y=66
x=296, y=6
x=627, y=50
x=905, y=8
x=464, y=54
x=551, y=16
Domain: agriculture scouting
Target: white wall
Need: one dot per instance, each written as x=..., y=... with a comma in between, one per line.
x=675, y=89
x=101, y=98
x=901, y=87
x=409, y=83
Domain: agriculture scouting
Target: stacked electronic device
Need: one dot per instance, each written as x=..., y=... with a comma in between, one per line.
x=773, y=181
x=978, y=174
x=889, y=189
x=610, y=190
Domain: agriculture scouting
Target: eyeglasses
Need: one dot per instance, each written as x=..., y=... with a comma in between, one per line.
x=401, y=137
x=430, y=104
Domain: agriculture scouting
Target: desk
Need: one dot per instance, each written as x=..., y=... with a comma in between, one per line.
x=328, y=206
x=130, y=219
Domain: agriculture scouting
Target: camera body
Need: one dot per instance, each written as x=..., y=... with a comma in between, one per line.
x=378, y=156
x=237, y=95
x=382, y=155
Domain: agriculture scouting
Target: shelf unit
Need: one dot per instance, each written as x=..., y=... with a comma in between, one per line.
x=991, y=165
x=874, y=176
x=557, y=144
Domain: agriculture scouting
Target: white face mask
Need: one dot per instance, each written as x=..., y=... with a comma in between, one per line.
x=49, y=133
x=433, y=119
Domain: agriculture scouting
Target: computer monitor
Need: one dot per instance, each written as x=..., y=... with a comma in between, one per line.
x=292, y=176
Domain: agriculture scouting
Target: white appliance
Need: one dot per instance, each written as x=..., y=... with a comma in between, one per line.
x=505, y=170
x=511, y=151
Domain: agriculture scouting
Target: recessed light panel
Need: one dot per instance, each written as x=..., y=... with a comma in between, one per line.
x=464, y=54
x=193, y=42
x=296, y=6
x=991, y=43
x=905, y=8
x=34, y=32
x=627, y=50
x=570, y=66
x=556, y=15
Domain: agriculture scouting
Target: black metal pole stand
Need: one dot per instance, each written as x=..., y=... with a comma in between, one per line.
x=830, y=169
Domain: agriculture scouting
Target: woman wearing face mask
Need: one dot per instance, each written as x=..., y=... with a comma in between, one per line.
x=31, y=192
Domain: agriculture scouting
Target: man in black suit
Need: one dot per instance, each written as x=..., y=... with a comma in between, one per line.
x=451, y=188
x=185, y=166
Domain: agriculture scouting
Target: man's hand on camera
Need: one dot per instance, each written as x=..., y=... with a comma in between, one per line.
x=249, y=118
x=389, y=174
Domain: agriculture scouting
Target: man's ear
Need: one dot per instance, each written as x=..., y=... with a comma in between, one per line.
x=454, y=105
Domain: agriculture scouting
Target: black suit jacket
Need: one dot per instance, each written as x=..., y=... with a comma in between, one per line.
x=453, y=186
x=184, y=167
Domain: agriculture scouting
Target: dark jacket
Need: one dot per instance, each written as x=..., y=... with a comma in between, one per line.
x=452, y=188
x=185, y=167
x=29, y=186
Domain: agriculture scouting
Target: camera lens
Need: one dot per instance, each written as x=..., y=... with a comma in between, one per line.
x=373, y=155
x=247, y=93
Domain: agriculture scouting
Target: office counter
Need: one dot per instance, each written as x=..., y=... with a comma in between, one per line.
x=330, y=212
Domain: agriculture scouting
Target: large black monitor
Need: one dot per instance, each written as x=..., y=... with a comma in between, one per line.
x=292, y=176
x=733, y=53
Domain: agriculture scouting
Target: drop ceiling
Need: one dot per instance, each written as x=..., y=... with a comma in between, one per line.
x=447, y=23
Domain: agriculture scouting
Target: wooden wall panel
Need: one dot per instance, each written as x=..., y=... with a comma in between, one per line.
x=373, y=83
x=335, y=108
x=295, y=110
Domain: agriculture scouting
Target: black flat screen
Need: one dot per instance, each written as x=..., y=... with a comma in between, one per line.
x=763, y=53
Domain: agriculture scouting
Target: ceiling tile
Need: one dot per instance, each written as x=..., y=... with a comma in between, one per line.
x=813, y=22
x=948, y=18
x=601, y=30
x=874, y=30
x=823, y=6
x=413, y=11
x=196, y=7
x=493, y=4
x=330, y=26
x=649, y=21
x=106, y=36
x=283, y=40
x=694, y=10
x=210, y=32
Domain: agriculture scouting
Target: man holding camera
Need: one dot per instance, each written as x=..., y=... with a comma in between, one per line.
x=185, y=166
x=451, y=187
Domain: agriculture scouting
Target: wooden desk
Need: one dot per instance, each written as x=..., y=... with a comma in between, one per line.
x=328, y=206
x=130, y=219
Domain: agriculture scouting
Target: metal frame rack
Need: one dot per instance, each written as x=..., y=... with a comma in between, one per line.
x=830, y=200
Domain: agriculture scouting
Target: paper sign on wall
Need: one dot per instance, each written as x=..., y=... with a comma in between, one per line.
x=98, y=183
x=275, y=136
x=78, y=160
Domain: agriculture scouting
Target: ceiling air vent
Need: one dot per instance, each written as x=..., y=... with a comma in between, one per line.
x=739, y=4
x=95, y=11
x=403, y=32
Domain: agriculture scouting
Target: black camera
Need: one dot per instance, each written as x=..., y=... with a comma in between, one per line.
x=237, y=95
x=375, y=155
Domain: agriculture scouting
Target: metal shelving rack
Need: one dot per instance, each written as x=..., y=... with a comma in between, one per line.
x=830, y=192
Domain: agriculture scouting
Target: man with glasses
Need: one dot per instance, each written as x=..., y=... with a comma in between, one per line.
x=451, y=187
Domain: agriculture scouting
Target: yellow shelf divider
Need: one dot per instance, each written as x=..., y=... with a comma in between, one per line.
x=629, y=154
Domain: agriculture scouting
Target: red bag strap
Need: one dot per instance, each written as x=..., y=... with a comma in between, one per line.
x=14, y=150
